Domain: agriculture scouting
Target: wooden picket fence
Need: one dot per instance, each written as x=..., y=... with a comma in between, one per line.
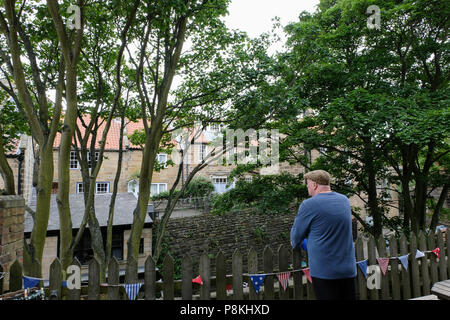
x=397, y=284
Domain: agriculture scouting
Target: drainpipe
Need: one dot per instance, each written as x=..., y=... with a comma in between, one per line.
x=20, y=158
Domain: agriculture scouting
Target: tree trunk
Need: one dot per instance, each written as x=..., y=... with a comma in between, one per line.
x=375, y=211
x=153, y=138
x=439, y=205
x=65, y=221
x=6, y=171
x=43, y=196
x=109, y=228
x=147, y=165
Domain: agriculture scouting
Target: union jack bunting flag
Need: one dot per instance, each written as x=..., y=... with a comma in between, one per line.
x=284, y=278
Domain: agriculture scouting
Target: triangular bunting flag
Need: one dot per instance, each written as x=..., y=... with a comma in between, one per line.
x=198, y=280
x=132, y=290
x=419, y=254
x=257, y=280
x=228, y=287
x=383, y=262
x=308, y=276
x=404, y=261
x=437, y=252
x=30, y=282
x=363, y=266
x=284, y=278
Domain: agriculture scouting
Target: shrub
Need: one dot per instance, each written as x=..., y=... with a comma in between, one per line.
x=270, y=194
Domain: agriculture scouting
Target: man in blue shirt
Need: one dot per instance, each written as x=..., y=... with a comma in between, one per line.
x=325, y=221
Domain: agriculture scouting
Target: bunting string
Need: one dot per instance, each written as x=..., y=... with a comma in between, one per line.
x=257, y=279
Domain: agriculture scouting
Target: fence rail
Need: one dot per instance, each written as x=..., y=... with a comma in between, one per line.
x=397, y=283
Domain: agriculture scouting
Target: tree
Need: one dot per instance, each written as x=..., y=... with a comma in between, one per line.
x=12, y=124
x=212, y=71
x=43, y=68
x=372, y=101
x=44, y=53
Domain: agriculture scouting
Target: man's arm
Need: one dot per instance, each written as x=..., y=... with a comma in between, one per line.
x=300, y=228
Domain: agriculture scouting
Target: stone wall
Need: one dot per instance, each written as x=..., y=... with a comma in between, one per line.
x=241, y=230
x=12, y=217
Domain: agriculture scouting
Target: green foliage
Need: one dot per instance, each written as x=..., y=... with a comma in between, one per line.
x=199, y=187
x=12, y=122
x=269, y=194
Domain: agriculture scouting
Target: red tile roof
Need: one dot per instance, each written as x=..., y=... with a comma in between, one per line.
x=112, y=139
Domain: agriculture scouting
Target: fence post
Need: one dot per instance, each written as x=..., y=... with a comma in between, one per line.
x=15, y=276
x=94, y=280
x=238, y=293
x=268, y=268
x=74, y=294
x=372, y=261
x=393, y=248
x=362, y=281
x=414, y=266
x=205, y=272
x=381, y=245
x=442, y=266
x=433, y=258
x=424, y=266
x=186, y=275
x=252, y=269
x=283, y=262
x=113, y=279
x=150, y=278
x=167, y=275
x=406, y=280
x=298, y=276
x=221, y=277
x=55, y=281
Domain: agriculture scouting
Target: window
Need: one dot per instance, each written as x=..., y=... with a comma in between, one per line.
x=141, y=246
x=89, y=158
x=117, y=245
x=220, y=184
x=202, y=152
x=100, y=187
x=215, y=127
x=162, y=159
x=73, y=161
x=157, y=188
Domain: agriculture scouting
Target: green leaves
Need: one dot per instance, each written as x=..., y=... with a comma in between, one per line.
x=268, y=194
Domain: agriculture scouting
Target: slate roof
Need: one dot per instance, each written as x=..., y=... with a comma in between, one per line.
x=123, y=213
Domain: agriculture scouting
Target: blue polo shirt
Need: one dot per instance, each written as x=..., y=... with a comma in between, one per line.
x=326, y=221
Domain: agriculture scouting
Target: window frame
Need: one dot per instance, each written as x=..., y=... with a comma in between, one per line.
x=80, y=187
x=73, y=158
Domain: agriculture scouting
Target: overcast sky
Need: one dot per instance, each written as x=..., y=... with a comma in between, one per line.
x=255, y=16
